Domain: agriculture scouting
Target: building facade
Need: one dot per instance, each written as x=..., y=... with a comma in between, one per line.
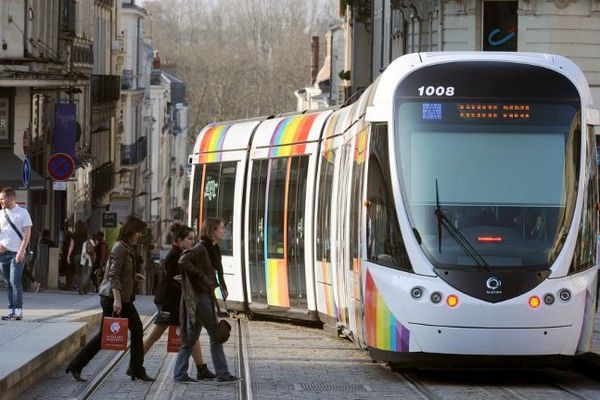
x=169, y=153
x=382, y=30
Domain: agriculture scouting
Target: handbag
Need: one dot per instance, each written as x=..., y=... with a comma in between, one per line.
x=223, y=328
x=114, y=333
x=174, y=339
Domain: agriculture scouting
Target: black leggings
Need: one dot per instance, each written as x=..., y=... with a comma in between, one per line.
x=136, y=362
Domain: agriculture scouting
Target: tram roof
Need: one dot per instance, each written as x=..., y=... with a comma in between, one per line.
x=286, y=136
x=223, y=136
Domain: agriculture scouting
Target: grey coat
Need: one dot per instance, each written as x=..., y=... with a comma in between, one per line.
x=120, y=272
x=198, y=276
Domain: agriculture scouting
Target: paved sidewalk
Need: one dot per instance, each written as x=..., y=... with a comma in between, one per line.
x=54, y=325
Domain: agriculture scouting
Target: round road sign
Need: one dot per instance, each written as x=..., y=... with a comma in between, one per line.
x=60, y=167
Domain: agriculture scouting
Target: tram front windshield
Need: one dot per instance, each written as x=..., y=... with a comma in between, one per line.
x=502, y=173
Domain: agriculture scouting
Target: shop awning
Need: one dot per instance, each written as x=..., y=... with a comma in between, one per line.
x=11, y=172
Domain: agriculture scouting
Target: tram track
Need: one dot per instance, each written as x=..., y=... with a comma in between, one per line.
x=441, y=390
x=93, y=384
x=245, y=388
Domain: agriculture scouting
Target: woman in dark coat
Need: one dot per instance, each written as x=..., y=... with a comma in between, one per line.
x=117, y=293
x=199, y=280
x=168, y=296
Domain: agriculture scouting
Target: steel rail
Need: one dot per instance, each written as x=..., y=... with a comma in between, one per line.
x=99, y=379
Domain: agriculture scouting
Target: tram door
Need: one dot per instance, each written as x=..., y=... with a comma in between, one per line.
x=342, y=261
x=277, y=213
x=256, y=242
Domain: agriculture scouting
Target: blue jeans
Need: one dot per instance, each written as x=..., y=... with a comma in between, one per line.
x=12, y=271
x=205, y=314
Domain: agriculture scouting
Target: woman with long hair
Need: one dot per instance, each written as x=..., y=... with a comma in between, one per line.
x=199, y=268
x=168, y=296
x=117, y=293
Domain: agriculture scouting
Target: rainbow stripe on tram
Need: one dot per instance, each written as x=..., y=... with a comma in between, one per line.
x=384, y=331
x=291, y=134
x=212, y=144
x=277, y=283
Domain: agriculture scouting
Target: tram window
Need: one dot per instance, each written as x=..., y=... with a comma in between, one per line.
x=585, y=249
x=217, y=198
x=385, y=245
x=355, y=201
x=277, y=208
x=198, y=172
x=324, y=210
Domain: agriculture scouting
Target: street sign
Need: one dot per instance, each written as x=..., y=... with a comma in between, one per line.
x=59, y=186
x=109, y=220
x=60, y=167
x=26, y=173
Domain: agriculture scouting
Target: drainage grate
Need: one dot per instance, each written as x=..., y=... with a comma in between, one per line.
x=299, y=338
x=331, y=387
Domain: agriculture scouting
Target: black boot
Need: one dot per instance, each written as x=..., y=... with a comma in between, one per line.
x=204, y=372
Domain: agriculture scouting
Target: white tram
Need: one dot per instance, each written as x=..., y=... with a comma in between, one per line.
x=450, y=210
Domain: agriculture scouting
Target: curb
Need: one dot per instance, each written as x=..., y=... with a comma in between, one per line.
x=76, y=328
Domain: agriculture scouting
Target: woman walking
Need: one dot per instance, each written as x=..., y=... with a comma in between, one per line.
x=198, y=274
x=168, y=296
x=117, y=293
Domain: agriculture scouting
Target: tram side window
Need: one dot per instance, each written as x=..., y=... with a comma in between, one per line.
x=276, y=209
x=355, y=202
x=324, y=211
x=217, y=198
x=584, y=256
x=198, y=171
x=385, y=245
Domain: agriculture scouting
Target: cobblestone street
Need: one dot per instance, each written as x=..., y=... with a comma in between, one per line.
x=288, y=361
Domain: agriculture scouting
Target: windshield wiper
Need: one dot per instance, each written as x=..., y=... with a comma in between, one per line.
x=444, y=221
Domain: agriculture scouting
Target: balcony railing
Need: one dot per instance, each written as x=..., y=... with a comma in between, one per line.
x=67, y=16
x=105, y=3
x=135, y=153
x=103, y=180
x=127, y=81
x=82, y=54
x=105, y=88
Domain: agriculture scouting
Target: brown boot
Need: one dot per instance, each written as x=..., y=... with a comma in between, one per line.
x=204, y=372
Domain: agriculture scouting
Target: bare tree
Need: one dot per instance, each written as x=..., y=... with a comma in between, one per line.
x=239, y=58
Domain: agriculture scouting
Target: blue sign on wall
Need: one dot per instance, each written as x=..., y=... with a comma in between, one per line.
x=65, y=129
x=26, y=173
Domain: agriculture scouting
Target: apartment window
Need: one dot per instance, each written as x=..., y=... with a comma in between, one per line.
x=500, y=25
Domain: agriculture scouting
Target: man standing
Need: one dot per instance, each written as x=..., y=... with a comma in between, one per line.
x=15, y=231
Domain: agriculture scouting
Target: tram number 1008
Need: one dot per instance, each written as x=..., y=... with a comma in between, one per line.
x=438, y=91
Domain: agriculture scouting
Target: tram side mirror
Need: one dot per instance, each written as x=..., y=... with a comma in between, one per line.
x=592, y=116
x=190, y=160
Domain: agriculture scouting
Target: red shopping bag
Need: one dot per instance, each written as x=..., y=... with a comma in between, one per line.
x=174, y=339
x=114, y=333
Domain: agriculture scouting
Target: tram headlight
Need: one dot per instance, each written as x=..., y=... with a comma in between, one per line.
x=565, y=295
x=549, y=299
x=534, y=302
x=436, y=297
x=452, y=300
x=416, y=292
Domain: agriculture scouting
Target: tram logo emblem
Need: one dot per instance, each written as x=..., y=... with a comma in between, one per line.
x=493, y=284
